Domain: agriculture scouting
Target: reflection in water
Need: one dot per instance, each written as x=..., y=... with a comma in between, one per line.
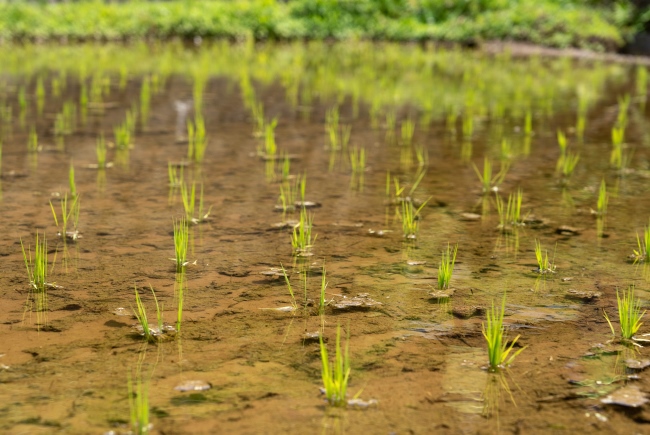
x=496, y=391
x=101, y=180
x=508, y=241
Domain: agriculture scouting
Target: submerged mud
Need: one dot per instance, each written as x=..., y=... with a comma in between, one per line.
x=246, y=359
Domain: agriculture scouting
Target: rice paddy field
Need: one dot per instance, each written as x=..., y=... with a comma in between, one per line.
x=184, y=228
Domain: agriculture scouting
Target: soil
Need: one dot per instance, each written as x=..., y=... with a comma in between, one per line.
x=66, y=370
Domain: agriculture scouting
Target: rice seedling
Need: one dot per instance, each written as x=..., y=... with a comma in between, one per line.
x=145, y=101
x=569, y=163
x=358, y=160
x=301, y=237
x=188, y=198
x=623, y=106
x=511, y=213
x=289, y=194
x=528, y=123
x=421, y=155
x=68, y=215
x=335, y=374
x=642, y=253
x=562, y=143
x=294, y=304
x=140, y=312
x=257, y=110
x=181, y=242
x=407, y=131
x=544, y=265
x=616, y=158
x=36, y=267
x=196, y=139
x=175, y=175
x=37, y=274
x=603, y=199
x=32, y=141
x=40, y=96
x=468, y=126
x=71, y=182
x=125, y=131
x=270, y=147
x=411, y=219
x=139, y=404
x=499, y=353
x=446, y=268
x=489, y=182
x=286, y=167
x=100, y=151
x=629, y=314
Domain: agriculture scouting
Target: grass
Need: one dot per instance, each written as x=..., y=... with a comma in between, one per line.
x=544, y=265
x=446, y=268
x=629, y=314
x=642, y=253
x=488, y=181
x=499, y=353
x=301, y=237
x=181, y=242
x=336, y=374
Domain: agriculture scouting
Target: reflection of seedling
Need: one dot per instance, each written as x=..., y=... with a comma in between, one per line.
x=175, y=175
x=71, y=182
x=544, y=265
x=270, y=147
x=407, y=130
x=643, y=245
x=322, y=302
x=446, y=268
x=181, y=242
x=489, y=182
x=335, y=374
x=125, y=131
x=301, y=238
x=494, y=333
x=616, y=158
x=629, y=314
x=139, y=405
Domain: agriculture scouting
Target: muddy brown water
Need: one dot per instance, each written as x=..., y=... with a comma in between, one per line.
x=65, y=370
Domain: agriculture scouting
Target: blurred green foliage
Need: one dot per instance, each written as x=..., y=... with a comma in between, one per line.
x=560, y=23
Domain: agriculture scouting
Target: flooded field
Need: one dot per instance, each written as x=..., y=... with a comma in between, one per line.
x=259, y=196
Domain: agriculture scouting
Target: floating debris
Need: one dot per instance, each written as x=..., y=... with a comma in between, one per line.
x=378, y=233
x=470, y=216
x=587, y=296
x=637, y=364
x=361, y=404
x=120, y=311
x=566, y=230
x=442, y=294
x=310, y=337
x=158, y=332
x=416, y=262
x=274, y=271
x=362, y=300
x=630, y=396
x=72, y=236
x=286, y=309
x=193, y=385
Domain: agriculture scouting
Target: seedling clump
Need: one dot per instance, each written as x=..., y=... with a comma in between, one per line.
x=629, y=314
x=494, y=332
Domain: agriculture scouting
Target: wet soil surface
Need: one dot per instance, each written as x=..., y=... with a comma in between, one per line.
x=65, y=369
